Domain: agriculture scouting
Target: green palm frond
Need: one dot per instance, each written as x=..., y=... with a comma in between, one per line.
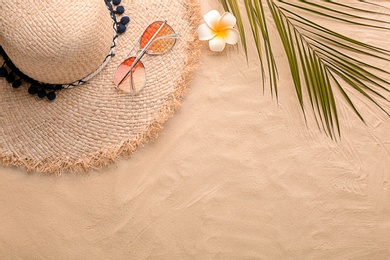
x=321, y=60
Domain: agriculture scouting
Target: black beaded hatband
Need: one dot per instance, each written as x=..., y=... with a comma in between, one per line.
x=15, y=77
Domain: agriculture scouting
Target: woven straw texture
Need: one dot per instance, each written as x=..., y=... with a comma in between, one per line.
x=56, y=38
x=91, y=125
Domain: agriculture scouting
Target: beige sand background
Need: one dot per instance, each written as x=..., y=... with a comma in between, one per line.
x=233, y=175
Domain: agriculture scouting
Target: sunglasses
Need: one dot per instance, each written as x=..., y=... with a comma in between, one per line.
x=157, y=39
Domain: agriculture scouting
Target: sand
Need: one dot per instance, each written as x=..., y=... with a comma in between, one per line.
x=233, y=175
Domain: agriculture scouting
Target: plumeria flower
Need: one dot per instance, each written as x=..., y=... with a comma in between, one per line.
x=218, y=30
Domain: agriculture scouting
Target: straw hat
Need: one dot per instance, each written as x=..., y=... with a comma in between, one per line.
x=57, y=44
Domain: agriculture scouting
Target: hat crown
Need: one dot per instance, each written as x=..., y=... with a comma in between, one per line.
x=56, y=41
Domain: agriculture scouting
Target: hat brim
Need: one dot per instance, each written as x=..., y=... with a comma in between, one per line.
x=91, y=125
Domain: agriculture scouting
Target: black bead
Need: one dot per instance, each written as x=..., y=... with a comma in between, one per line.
x=41, y=93
x=116, y=2
x=121, y=28
x=125, y=20
x=10, y=77
x=17, y=83
x=57, y=87
x=51, y=95
x=33, y=90
x=120, y=10
x=3, y=72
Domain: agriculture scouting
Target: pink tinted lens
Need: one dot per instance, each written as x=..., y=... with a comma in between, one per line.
x=133, y=82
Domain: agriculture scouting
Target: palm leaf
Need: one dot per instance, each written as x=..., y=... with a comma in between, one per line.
x=321, y=60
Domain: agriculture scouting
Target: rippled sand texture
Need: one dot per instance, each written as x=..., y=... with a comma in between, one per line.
x=233, y=175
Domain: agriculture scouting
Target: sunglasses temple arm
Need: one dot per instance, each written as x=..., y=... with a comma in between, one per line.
x=174, y=35
x=132, y=81
x=131, y=50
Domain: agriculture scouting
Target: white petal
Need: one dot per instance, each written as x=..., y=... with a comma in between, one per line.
x=212, y=18
x=227, y=21
x=230, y=35
x=217, y=43
x=205, y=33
